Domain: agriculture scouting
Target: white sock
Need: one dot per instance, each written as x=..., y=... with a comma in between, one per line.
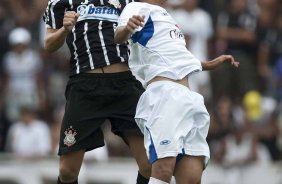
x=156, y=181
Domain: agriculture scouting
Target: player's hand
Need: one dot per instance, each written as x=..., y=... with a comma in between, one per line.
x=211, y=65
x=226, y=58
x=134, y=23
x=70, y=19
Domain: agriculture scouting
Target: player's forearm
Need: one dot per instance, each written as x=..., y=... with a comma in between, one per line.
x=122, y=35
x=208, y=65
x=54, y=40
x=215, y=63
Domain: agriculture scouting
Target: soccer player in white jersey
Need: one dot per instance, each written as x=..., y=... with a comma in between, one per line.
x=173, y=118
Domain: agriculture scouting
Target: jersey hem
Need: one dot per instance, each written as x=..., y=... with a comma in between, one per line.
x=96, y=66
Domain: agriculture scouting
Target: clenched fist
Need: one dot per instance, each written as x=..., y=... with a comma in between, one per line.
x=134, y=23
x=70, y=19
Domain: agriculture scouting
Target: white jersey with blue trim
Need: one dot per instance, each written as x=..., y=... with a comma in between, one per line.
x=159, y=48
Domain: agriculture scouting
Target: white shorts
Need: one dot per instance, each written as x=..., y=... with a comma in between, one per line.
x=174, y=121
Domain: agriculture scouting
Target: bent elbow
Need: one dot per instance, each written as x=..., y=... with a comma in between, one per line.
x=120, y=37
x=49, y=50
x=48, y=47
x=117, y=39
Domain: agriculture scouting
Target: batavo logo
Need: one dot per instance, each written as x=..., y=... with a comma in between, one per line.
x=92, y=10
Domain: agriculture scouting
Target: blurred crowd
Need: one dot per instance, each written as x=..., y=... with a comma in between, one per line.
x=245, y=104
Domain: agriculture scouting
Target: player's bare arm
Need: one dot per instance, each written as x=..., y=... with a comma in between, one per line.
x=55, y=38
x=215, y=63
x=123, y=33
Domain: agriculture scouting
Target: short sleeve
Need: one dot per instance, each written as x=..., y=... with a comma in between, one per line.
x=124, y=3
x=130, y=10
x=54, y=14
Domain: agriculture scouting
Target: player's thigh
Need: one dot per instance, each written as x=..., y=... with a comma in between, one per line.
x=70, y=163
x=189, y=170
x=132, y=136
x=126, y=127
x=135, y=142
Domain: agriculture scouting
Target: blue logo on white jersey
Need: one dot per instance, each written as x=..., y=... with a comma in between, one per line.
x=165, y=142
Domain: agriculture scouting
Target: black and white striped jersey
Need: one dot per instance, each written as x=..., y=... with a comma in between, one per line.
x=91, y=41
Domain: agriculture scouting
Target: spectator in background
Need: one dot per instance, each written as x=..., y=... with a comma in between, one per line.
x=278, y=79
x=29, y=137
x=270, y=50
x=262, y=119
x=57, y=75
x=22, y=68
x=21, y=11
x=265, y=19
x=241, y=149
x=222, y=122
x=236, y=36
x=279, y=118
x=6, y=24
x=197, y=39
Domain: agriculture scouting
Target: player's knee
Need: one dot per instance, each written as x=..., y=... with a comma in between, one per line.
x=68, y=174
x=164, y=170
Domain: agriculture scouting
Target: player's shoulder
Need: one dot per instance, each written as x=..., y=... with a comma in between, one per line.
x=132, y=8
x=135, y=5
x=58, y=2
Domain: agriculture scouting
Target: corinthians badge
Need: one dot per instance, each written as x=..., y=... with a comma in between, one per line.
x=115, y=3
x=70, y=137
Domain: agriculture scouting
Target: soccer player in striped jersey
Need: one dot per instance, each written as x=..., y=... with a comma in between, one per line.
x=173, y=118
x=100, y=86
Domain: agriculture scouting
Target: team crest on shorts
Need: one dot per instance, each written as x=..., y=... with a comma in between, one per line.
x=70, y=134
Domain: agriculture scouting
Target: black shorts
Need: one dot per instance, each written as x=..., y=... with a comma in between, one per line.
x=93, y=98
